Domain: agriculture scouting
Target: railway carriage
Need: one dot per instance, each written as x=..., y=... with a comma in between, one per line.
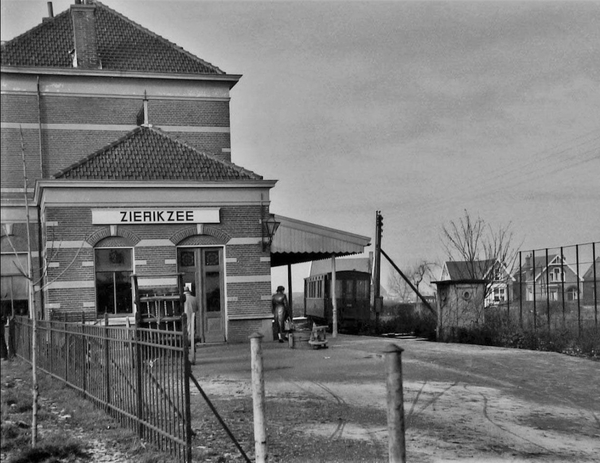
x=353, y=291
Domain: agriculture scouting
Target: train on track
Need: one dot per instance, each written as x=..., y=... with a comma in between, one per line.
x=353, y=293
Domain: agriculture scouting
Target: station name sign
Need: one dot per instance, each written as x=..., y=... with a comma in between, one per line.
x=154, y=216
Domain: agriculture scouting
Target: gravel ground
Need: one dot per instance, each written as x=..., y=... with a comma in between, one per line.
x=462, y=404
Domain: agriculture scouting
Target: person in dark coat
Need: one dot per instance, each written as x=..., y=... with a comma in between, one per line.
x=3, y=320
x=281, y=311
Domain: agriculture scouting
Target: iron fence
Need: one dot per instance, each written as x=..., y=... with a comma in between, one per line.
x=139, y=376
x=555, y=288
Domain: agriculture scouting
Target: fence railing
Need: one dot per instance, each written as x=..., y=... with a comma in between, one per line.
x=555, y=288
x=139, y=376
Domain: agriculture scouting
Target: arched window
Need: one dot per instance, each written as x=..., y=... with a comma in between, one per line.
x=15, y=286
x=114, y=267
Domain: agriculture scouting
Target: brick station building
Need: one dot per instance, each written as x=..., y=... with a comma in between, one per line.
x=120, y=142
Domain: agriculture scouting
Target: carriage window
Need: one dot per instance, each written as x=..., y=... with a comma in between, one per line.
x=349, y=291
x=339, y=289
x=362, y=289
x=113, y=281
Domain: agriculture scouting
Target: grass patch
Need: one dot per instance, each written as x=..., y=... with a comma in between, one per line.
x=48, y=452
x=67, y=423
x=562, y=335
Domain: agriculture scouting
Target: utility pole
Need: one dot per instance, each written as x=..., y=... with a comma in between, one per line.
x=377, y=299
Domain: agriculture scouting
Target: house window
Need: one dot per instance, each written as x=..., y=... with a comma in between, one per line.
x=499, y=295
x=113, y=281
x=553, y=295
x=556, y=275
x=15, y=297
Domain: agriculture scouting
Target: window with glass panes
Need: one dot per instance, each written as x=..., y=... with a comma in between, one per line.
x=113, y=280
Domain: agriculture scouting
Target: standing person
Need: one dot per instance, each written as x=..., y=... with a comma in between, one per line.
x=190, y=306
x=4, y=353
x=281, y=311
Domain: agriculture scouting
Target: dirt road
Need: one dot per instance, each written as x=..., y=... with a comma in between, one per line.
x=462, y=403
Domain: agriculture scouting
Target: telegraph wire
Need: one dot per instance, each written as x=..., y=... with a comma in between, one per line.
x=545, y=162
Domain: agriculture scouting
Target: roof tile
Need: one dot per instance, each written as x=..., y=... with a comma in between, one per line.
x=123, y=45
x=149, y=154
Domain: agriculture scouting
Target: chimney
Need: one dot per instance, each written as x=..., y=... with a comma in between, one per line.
x=50, y=13
x=84, y=31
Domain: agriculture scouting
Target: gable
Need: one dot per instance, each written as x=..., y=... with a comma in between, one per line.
x=148, y=154
x=122, y=45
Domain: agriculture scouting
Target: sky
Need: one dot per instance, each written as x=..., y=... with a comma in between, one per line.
x=419, y=109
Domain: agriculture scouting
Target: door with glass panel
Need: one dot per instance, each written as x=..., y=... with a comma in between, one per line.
x=202, y=269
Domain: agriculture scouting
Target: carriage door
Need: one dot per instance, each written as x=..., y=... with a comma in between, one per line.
x=203, y=268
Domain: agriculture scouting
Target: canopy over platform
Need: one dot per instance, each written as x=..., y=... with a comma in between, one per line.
x=296, y=242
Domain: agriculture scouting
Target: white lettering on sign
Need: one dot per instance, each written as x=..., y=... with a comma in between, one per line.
x=149, y=216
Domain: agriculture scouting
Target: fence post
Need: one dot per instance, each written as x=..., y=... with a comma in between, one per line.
x=11, y=344
x=67, y=352
x=84, y=359
x=107, y=361
x=258, y=398
x=138, y=376
x=395, y=404
x=186, y=384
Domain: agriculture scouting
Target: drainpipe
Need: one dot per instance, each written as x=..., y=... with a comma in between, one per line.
x=39, y=101
x=41, y=262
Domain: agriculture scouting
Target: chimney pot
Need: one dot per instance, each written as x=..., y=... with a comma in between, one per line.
x=50, y=10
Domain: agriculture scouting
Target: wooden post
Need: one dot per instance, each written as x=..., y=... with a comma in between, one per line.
x=290, y=292
x=334, y=314
x=192, y=336
x=395, y=404
x=258, y=398
x=11, y=344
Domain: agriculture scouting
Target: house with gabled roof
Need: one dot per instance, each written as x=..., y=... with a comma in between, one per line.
x=548, y=277
x=496, y=275
x=117, y=174
x=590, y=283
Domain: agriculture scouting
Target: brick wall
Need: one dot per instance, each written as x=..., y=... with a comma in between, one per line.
x=12, y=164
x=73, y=225
x=239, y=330
x=89, y=110
x=205, y=142
x=19, y=108
x=198, y=113
x=64, y=147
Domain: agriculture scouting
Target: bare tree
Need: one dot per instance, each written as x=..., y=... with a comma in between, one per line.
x=28, y=273
x=484, y=252
x=417, y=273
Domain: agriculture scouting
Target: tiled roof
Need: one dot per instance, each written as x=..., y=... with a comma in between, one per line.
x=122, y=46
x=148, y=154
x=461, y=270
